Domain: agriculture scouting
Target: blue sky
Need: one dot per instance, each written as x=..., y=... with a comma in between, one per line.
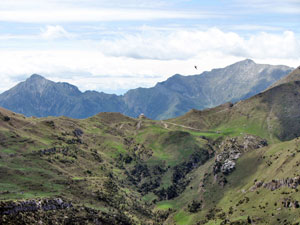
x=115, y=45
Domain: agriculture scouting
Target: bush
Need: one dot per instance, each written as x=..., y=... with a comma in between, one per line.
x=194, y=206
x=6, y=118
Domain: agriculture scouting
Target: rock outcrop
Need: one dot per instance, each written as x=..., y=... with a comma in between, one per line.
x=78, y=132
x=11, y=207
x=276, y=184
x=290, y=203
x=56, y=211
x=232, y=149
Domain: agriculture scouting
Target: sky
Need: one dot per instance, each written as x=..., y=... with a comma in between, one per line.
x=116, y=45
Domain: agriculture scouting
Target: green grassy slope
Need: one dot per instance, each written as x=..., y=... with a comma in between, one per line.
x=164, y=172
x=117, y=165
x=273, y=115
x=109, y=162
x=238, y=200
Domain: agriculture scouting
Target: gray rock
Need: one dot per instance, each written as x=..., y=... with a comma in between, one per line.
x=228, y=166
x=231, y=149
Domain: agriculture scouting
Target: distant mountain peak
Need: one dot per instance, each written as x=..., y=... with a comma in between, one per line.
x=38, y=81
x=245, y=62
x=38, y=96
x=248, y=61
x=36, y=77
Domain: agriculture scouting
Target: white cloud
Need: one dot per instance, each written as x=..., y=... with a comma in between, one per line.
x=49, y=32
x=93, y=70
x=96, y=15
x=54, y=11
x=182, y=45
x=251, y=27
x=265, y=45
x=147, y=58
x=55, y=32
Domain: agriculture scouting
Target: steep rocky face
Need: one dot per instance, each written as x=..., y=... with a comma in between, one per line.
x=40, y=97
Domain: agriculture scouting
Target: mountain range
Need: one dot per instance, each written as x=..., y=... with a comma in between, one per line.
x=40, y=97
x=237, y=163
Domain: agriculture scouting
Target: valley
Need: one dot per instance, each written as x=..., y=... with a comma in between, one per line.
x=149, y=112
x=232, y=164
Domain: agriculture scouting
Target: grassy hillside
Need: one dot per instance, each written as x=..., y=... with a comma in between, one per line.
x=240, y=199
x=273, y=114
x=150, y=172
x=108, y=162
x=233, y=164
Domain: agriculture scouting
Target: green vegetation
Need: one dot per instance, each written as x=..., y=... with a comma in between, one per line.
x=164, y=206
x=108, y=159
x=163, y=172
x=182, y=218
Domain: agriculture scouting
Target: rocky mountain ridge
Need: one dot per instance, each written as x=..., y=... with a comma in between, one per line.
x=40, y=97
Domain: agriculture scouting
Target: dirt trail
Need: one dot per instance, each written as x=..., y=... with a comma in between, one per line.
x=164, y=124
x=183, y=126
x=139, y=124
x=28, y=124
